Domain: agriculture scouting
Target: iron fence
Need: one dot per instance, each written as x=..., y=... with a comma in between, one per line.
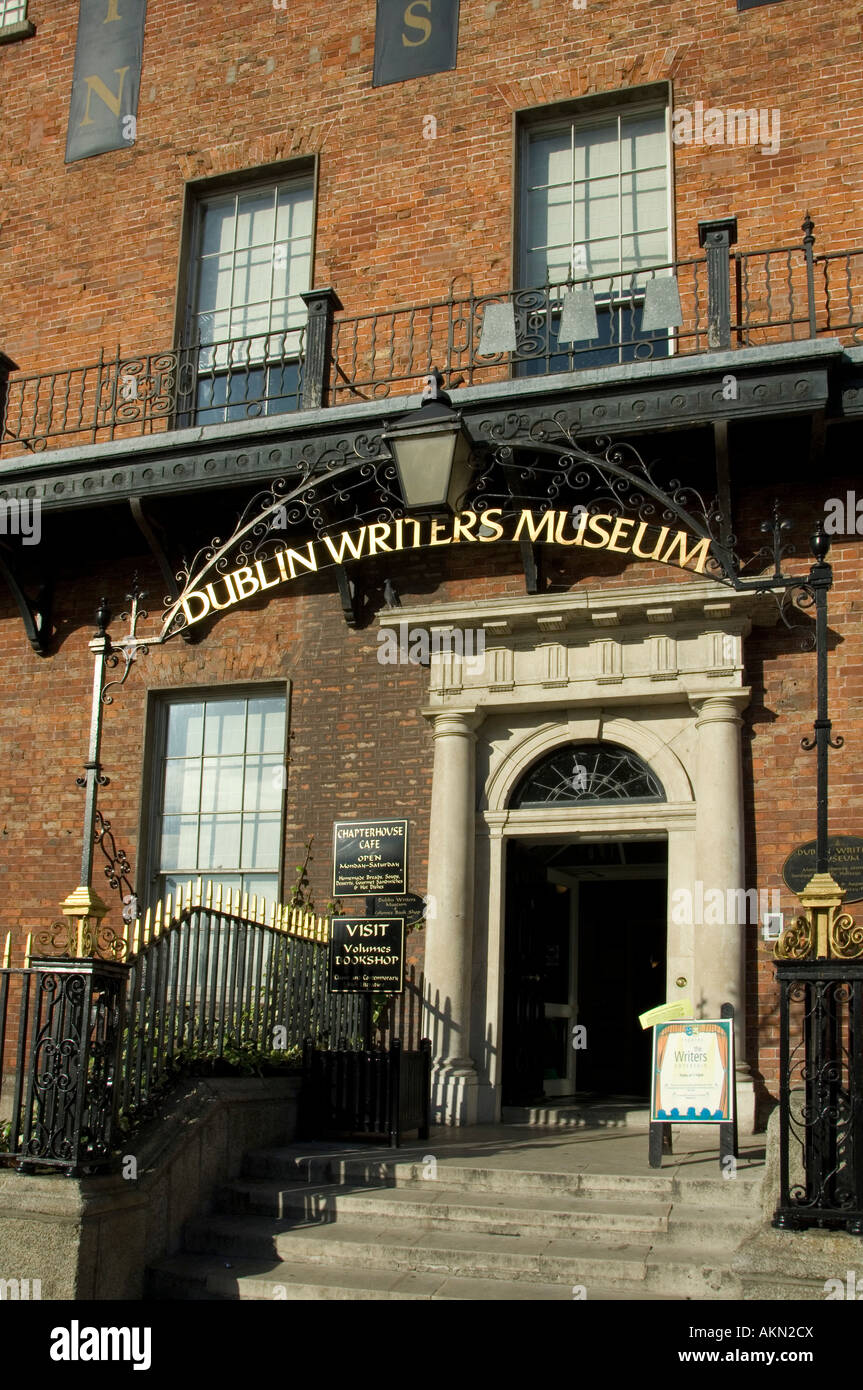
x=821, y=1095
x=127, y=396
x=725, y=298
x=383, y=1093
x=57, y=1104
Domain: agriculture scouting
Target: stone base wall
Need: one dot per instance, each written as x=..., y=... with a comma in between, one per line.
x=93, y=1238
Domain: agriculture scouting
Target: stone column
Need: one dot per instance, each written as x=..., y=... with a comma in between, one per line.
x=449, y=931
x=722, y=912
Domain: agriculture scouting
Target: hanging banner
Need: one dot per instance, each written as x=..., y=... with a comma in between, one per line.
x=106, y=78
x=693, y=1070
x=414, y=38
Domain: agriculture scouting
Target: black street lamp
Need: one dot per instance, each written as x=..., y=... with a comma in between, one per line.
x=433, y=452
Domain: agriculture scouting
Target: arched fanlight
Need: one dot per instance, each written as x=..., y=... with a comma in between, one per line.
x=582, y=773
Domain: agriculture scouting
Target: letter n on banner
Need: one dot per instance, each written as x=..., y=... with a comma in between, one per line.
x=414, y=38
x=106, y=77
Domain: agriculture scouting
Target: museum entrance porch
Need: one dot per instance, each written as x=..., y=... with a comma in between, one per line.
x=584, y=955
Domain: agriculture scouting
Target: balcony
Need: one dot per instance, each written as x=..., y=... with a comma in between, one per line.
x=723, y=298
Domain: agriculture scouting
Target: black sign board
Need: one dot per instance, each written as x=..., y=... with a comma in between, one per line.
x=369, y=857
x=106, y=77
x=844, y=862
x=414, y=38
x=406, y=905
x=367, y=954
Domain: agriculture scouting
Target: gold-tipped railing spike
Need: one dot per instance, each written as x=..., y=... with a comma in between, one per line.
x=217, y=904
x=208, y=901
x=28, y=948
x=199, y=883
x=254, y=915
x=7, y=951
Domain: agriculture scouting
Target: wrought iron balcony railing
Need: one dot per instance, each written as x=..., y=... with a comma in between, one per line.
x=724, y=298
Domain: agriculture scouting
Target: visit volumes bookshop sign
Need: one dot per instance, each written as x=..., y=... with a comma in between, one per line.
x=106, y=77
x=693, y=1071
x=369, y=857
x=367, y=954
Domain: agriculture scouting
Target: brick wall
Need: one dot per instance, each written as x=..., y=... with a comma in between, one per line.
x=234, y=87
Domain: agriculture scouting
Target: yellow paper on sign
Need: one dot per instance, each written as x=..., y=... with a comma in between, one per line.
x=665, y=1013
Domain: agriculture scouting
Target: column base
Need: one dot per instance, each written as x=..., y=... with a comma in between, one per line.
x=454, y=1095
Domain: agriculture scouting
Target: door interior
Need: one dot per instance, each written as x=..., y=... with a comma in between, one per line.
x=584, y=944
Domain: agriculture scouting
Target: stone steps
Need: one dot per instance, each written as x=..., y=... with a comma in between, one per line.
x=322, y=1168
x=202, y=1278
x=338, y=1223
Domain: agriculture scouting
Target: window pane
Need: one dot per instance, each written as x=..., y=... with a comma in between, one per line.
x=265, y=782
x=214, y=285
x=217, y=843
x=218, y=226
x=255, y=218
x=265, y=885
x=222, y=784
x=182, y=785
x=185, y=730
x=225, y=726
x=596, y=151
x=260, y=842
x=178, y=842
x=550, y=158
x=294, y=218
x=643, y=141
x=253, y=276
x=266, y=725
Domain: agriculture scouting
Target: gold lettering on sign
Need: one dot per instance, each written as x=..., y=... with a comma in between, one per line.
x=545, y=523
x=417, y=21
x=95, y=84
x=613, y=533
x=112, y=12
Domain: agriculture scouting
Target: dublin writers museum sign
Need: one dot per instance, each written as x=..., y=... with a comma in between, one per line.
x=618, y=534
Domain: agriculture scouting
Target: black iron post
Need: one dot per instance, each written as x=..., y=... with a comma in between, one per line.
x=716, y=237
x=317, y=354
x=820, y=582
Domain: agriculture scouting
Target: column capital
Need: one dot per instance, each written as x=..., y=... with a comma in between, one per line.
x=715, y=708
x=454, y=723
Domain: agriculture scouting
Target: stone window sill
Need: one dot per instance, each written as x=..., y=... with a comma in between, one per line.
x=22, y=29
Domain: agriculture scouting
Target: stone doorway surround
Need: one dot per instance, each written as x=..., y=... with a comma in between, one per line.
x=657, y=669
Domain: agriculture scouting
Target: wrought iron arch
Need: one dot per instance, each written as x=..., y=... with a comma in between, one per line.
x=586, y=773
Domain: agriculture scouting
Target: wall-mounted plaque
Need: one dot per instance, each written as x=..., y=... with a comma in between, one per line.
x=367, y=954
x=844, y=861
x=369, y=857
x=407, y=905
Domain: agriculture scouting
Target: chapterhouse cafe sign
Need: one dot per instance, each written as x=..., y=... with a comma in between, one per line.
x=618, y=534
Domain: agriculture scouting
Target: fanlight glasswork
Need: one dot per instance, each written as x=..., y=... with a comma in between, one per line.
x=589, y=772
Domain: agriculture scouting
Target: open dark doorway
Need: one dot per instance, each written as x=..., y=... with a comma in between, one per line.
x=585, y=947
